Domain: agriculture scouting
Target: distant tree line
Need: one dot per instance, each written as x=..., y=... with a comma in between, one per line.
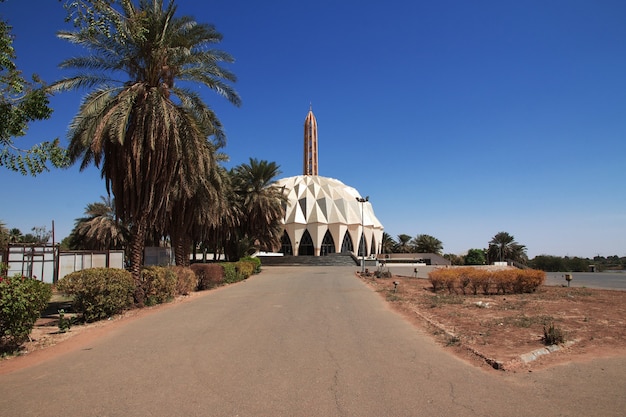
x=551, y=263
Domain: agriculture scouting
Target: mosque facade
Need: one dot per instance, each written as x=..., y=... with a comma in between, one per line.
x=323, y=215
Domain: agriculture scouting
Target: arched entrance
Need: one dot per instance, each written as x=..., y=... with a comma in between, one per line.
x=286, y=248
x=328, y=244
x=306, y=245
x=362, y=246
x=346, y=244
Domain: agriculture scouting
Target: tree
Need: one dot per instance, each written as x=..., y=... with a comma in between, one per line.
x=99, y=229
x=454, y=259
x=260, y=206
x=261, y=201
x=388, y=244
x=23, y=102
x=403, y=245
x=39, y=236
x=15, y=235
x=152, y=138
x=4, y=235
x=475, y=257
x=503, y=247
x=427, y=244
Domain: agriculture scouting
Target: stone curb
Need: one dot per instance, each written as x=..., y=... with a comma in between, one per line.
x=494, y=363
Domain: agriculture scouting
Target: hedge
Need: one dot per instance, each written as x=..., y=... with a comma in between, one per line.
x=158, y=284
x=208, y=275
x=186, y=280
x=489, y=282
x=99, y=292
x=21, y=302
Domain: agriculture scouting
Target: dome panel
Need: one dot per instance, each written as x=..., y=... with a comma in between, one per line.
x=325, y=200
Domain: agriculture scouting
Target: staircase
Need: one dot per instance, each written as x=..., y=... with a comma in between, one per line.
x=334, y=259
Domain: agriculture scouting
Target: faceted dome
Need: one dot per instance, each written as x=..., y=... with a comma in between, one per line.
x=323, y=215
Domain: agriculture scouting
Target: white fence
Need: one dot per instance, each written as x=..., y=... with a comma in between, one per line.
x=48, y=264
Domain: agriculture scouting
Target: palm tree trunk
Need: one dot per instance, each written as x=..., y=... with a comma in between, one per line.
x=181, y=243
x=137, y=246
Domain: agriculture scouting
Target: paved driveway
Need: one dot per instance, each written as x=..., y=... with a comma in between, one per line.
x=294, y=341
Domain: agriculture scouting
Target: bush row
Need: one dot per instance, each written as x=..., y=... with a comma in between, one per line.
x=474, y=280
x=21, y=302
x=102, y=292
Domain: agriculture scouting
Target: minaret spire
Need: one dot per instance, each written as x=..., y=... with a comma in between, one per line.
x=310, y=143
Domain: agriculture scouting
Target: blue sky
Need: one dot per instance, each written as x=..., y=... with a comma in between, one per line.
x=458, y=119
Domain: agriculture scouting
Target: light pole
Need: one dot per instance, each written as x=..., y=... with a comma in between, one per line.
x=362, y=201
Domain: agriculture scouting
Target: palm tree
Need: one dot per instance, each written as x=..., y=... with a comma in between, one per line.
x=15, y=235
x=191, y=218
x=260, y=204
x=503, y=247
x=403, y=245
x=427, y=244
x=149, y=136
x=388, y=244
x=99, y=229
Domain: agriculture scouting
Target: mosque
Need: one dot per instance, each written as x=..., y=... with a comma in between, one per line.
x=323, y=215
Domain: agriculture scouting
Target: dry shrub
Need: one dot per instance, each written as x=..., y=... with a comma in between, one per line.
x=528, y=280
x=501, y=281
x=480, y=279
x=208, y=275
x=441, y=278
x=465, y=278
x=186, y=280
x=436, y=278
x=504, y=280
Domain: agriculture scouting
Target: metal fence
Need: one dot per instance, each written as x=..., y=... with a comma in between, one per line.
x=48, y=263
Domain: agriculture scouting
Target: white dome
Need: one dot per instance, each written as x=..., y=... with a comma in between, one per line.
x=329, y=211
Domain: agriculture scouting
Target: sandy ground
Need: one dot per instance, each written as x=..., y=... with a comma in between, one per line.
x=506, y=331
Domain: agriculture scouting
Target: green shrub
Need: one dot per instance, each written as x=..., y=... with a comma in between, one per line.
x=186, y=280
x=21, y=302
x=231, y=274
x=208, y=275
x=245, y=268
x=158, y=284
x=256, y=261
x=99, y=292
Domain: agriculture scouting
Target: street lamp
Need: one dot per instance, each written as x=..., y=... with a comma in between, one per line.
x=362, y=201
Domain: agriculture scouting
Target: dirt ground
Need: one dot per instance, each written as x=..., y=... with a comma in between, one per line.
x=506, y=331
x=495, y=331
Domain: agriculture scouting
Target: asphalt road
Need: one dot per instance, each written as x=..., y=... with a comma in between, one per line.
x=294, y=341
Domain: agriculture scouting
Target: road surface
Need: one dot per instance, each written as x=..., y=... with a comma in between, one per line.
x=294, y=341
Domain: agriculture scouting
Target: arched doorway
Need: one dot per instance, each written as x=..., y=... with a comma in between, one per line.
x=306, y=245
x=362, y=246
x=328, y=244
x=286, y=248
x=346, y=244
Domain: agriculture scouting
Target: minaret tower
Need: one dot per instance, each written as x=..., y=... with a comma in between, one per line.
x=310, y=144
